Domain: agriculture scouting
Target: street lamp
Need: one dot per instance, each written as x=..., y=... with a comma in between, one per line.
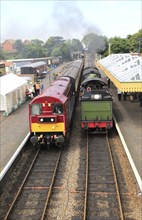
x=109, y=48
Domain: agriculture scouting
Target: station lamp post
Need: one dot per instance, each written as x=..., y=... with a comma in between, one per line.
x=109, y=49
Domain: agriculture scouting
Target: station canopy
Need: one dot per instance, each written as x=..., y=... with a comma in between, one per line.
x=124, y=70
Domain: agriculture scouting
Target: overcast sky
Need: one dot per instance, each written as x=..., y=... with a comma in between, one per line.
x=39, y=19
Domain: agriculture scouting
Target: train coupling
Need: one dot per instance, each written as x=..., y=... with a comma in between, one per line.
x=58, y=140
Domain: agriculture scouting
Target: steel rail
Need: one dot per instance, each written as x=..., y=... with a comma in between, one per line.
x=20, y=189
x=115, y=179
x=51, y=186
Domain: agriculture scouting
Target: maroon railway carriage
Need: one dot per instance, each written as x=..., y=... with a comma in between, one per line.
x=50, y=113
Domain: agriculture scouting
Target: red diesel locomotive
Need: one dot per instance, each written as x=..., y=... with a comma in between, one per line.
x=50, y=113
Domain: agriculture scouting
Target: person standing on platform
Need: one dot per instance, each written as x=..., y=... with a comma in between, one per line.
x=108, y=82
x=33, y=90
x=37, y=88
x=41, y=88
x=37, y=73
x=124, y=95
x=119, y=94
x=140, y=98
x=34, y=86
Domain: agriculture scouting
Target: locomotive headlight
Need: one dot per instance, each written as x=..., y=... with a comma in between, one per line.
x=97, y=96
x=52, y=119
x=41, y=119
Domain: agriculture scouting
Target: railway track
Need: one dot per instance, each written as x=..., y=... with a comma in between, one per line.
x=84, y=185
x=100, y=194
x=33, y=196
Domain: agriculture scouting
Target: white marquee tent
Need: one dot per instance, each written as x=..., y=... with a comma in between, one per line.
x=12, y=92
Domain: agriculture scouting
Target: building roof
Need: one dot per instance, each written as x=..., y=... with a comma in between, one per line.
x=10, y=82
x=9, y=40
x=124, y=70
x=36, y=64
x=6, y=63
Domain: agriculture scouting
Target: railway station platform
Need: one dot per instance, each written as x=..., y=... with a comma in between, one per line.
x=127, y=115
x=128, y=119
x=14, y=129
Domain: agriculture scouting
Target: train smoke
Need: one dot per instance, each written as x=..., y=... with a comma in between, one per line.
x=70, y=22
x=56, y=18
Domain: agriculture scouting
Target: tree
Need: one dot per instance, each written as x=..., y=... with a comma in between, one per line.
x=66, y=53
x=119, y=45
x=2, y=55
x=53, y=42
x=57, y=46
x=19, y=46
x=76, y=45
x=135, y=42
x=34, y=50
x=56, y=52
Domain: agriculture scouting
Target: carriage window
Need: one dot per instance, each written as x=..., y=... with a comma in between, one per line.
x=36, y=109
x=57, y=108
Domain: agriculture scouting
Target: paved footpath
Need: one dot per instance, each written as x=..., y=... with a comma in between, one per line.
x=13, y=129
x=129, y=118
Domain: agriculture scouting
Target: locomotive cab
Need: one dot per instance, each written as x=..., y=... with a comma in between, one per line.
x=47, y=123
x=96, y=111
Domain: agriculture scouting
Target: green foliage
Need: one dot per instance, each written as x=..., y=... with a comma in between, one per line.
x=34, y=49
x=57, y=46
x=19, y=46
x=52, y=43
x=76, y=45
x=119, y=45
x=135, y=42
x=2, y=55
x=56, y=52
x=66, y=53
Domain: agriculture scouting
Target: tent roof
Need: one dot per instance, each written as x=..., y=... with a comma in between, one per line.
x=10, y=82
